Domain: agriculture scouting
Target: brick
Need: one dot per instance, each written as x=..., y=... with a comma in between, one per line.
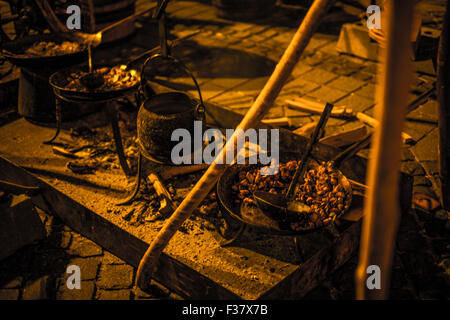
x=9, y=294
x=113, y=295
x=115, y=277
x=86, y=292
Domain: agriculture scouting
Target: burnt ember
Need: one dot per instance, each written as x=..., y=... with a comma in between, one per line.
x=48, y=49
x=115, y=78
x=320, y=190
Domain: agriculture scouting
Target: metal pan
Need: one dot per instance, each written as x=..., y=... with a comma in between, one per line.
x=253, y=216
x=14, y=51
x=59, y=81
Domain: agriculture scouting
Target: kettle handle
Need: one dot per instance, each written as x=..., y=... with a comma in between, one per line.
x=200, y=108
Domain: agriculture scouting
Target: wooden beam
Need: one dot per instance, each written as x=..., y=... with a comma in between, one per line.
x=170, y=272
x=381, y=208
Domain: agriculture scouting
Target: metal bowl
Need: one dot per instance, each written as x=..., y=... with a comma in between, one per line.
x=253, y=216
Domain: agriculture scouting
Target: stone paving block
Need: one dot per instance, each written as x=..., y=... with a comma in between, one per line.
x=431, y=167
x=253, y=84
x=341, y=65
x=115, y=277
x=235, y=101
x=327, y=94
x=88, y=266
x=417, y=130
x=190, y=11
x=113, y=295
x=329, y=48
x=347, y=84
x=284, y=37
x=36, y=290
x=412, y=168
x=9, y=294
x=277, y=111
x=356, y=103
x=318, y=75
x=316, y=58
x=429, y=111
x=208, y=90
x=368, y=91
x=241, y=111
x=109, y=258
x=364, y=76
x=300, y=68
x=300, y=86
x=315, y=43
x=427, y=148
x=83, y=247
x=86, y=292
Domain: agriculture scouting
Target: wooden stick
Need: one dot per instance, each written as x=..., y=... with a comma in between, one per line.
x=262, y=104
x=345, y=138
x=443, y=94
x=307, y=105
x=381, y=207
x=406, y=138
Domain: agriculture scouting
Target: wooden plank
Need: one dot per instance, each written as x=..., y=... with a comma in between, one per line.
x=180, y=278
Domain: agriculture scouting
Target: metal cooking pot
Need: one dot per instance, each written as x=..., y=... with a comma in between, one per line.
x=161, y=114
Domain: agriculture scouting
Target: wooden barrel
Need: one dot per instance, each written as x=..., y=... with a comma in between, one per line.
x=244, y=9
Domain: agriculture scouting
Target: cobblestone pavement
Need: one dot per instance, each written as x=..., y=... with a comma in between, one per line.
x=232, y=61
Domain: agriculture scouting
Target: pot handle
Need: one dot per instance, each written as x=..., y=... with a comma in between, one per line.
x=200, y=107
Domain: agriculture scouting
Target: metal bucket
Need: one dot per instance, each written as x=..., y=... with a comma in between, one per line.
x=161, y=114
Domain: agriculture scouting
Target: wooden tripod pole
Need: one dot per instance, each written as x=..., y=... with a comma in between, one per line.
x=251, y=119
x=381, y=207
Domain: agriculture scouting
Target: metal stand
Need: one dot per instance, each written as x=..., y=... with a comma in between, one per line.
x=114, y=126
x=137, y=184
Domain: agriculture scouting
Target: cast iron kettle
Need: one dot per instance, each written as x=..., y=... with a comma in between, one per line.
x=160, y=114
